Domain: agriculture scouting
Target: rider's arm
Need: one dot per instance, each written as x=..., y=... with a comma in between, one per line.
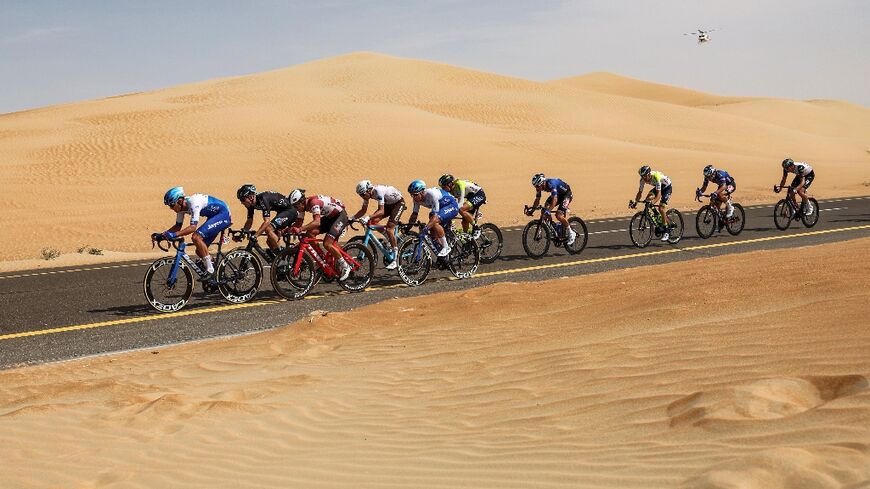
x=262, y=227
x=639, y=190
x=704, y=187
x=784, y=176
x=361, y=212
x=378, y=213
x=314, y=224
x=461, y=197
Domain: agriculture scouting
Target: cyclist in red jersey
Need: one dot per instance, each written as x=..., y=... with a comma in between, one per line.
x=328, y=216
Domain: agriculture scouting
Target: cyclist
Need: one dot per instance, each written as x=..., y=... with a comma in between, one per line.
x=726, y=187
x=661, y=193
x=329, y=217
x=267, y=202
x=469, y=196
x=559, y=199
x=391, y=204
x=443, y=208
x=215, y=211
x=803, y=178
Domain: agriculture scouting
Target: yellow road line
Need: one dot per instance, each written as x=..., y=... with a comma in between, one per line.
x=230, y=307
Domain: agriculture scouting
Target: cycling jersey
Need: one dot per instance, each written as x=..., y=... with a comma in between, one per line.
x=324, y=205
x=440, y=202
x=463, y=189
x=558, y=189
x=659, y=180
x=721, y=178
x=800, y=168
x=384, y=195
x=268, y=202
x=201, y=205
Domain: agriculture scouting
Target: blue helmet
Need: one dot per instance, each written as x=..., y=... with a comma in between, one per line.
x=416, y=187
x=172, y=195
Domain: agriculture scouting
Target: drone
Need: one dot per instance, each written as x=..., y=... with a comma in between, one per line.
x=703, y=36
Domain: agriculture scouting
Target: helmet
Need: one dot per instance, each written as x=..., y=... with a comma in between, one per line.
x=538, y=179
x=246, y=190
x=172, y=195
x=445, y=180
x=787, y=162
x=416, y=187
x=709, y=170
x=296, y=195
x=363, y=186
x=644, y=170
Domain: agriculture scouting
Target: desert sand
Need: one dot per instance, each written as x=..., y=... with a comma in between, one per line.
x=94, y=172
x=760, y=383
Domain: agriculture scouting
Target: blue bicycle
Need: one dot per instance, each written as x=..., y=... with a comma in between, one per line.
x=378, y=245
x=169, y=281
x=417, y=253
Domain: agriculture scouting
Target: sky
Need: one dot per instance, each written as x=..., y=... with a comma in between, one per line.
x=55, y=52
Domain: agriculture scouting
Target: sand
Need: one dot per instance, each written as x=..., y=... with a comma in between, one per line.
x=94, y=172
x=760, y=382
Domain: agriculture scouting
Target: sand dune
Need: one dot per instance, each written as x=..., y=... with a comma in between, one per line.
x=103, y=165
x=749, y=385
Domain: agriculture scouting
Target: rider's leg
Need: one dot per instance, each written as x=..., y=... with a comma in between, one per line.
x=271, y=238
x=467, y=218
x=202, y=252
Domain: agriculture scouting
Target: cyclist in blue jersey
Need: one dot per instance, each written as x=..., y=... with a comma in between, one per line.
x=726, y=187
x=559, y=199
x=215, y=211
x=443, y=208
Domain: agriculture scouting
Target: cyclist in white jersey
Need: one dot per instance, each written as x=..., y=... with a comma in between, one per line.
x=390, y=205
x=803, y=178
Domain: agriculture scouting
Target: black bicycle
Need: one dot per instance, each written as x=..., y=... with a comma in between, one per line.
x=539, y=233
x=648, y=223
x=711, y=219
x=418, y=251
x=169, y=281
x=490, y=240
x=787, y=210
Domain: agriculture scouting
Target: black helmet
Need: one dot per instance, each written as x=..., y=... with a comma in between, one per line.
x=246, y=190
x=445, y=180
x=644, y=170
x=787, y=162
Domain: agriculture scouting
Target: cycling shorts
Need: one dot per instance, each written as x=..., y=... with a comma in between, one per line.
x=446, y=213
x=334, y=226
x=666, y=194
x=562, y=204
x=476, y=200
x=808, y=180
x=284, y=219
x=394, y=211
x=213, y=226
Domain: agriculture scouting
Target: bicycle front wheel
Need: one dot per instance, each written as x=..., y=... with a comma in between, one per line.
x=812, y=218
x=362, y=268
x=640, y=230
x=782, y=215
x=164, y=294
x=239, y=275
x=536, y=238
x=414, y=268
x=737, y=221
x=490, y=243
x=289, y=284
x=581, y=235
x=676, y=225
x=464, y=257
x=705, y=222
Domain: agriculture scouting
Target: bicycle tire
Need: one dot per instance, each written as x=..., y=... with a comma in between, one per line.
x=293, y=288
x=239, y=282
x=782, y=215
x=491, y=243
x=640, y=229
x=578, y=226
x=464, y=257
x=359, y=279
x=706, y=221
x=371, y=246
x=737, y=222
x=813, y=218
x=675, y=233
x=412, y=271
x=533, y=234
x=184, y=287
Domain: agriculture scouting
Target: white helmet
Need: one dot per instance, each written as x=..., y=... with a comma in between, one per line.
x=363, y=186
x=296, y=195
x=538, y=179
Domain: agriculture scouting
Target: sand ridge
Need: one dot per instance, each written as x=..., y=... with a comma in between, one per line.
x=104, y=164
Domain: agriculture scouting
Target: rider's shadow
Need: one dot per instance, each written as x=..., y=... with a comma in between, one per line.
x=198, y=300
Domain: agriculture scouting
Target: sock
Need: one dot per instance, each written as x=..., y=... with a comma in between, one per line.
x=208, y=266
x=443, y=241
x=729, y=208
x=395, y=253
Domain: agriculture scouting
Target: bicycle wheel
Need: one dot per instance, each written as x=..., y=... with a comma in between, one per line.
x=490, y=243
x=239, y=275
x=579, y=227
x=464, y=257
x=287, y=284
x=536, y=238
x=813, y=217
x=705, y=221
x=162, y=295
x=782, y=215
x=737, y=221
x=361, y=272
x=640, y=229
x=675, y=220
x=413, y=270
x=371, y=246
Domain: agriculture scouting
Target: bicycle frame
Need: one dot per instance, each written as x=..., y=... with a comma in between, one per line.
x=381, y=228
x=180, y=255
x=323, y=258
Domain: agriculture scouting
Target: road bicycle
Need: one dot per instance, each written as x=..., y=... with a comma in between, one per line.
x=786, y=210
x=648, y=223
x=169, y=280
x=490, y=240
x=297, y=269
x=377, y=245
x=710, y=219
x=539, y=233
x=419, y=251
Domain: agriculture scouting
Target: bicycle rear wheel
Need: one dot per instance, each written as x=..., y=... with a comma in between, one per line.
x=362, y=271
x=812, y=218
x=162, y=295
x=490, y=243
x=782, y=215
x=705, y=221
x=413, y=269
x=737, y=221
x=287, y=284
x=536, y=238
x=464, y=257
x=239, y=275
x=640, y=229
x=675, y=221
x=582, y=235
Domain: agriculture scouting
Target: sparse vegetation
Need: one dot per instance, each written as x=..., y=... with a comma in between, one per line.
x=50, y=253
x=90, y=250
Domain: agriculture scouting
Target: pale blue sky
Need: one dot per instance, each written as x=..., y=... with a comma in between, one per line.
x=63, y=51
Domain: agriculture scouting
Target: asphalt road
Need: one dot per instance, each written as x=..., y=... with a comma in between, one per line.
x=53, y=315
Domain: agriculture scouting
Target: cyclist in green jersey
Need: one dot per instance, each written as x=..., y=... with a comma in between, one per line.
x=469, y=195
x=661, y=193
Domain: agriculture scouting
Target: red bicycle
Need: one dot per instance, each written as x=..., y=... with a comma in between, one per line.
x=297, y=269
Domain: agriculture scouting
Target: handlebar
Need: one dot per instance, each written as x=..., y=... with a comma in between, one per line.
x=158, y=239
x=239, y=234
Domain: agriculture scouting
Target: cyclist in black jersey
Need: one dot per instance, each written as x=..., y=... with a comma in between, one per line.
x=267, y=202
x=803, y=178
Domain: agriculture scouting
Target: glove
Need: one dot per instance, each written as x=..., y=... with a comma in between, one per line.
x=364, y=220
x=295, y=230
x=528, y=212
x=777, y=188
x=632, y=205
x=698, y=194
x=546, y=212
x=170, y=235
x=156, y=236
